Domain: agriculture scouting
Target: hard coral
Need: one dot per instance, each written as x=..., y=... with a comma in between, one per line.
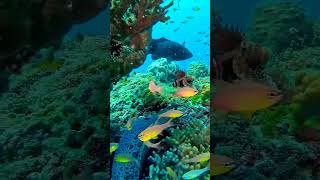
x=132, y=21
x=163, y=70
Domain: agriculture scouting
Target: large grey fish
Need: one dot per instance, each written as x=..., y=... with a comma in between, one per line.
x=164, y=48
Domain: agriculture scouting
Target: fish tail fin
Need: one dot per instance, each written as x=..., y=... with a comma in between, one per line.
x=160, y=90
x=158, y=145
x=157, y=121
x=170, y=123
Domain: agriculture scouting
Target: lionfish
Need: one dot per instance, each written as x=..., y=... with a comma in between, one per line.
x=233, y=56
x=182, y=80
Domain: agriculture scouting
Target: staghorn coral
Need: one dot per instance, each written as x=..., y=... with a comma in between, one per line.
x=132, y=21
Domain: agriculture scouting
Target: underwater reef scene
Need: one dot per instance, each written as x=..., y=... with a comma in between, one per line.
x=53, y=90
x=264, y=108
x=52, y=115
x=159, y=104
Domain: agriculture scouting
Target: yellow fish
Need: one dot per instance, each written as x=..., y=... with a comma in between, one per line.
x=220, y=164
x=152, y=132
x=199, y=158
x=113, y=147
x=195, y=173
x=186, y=92
x=170, y=114
x=125, y=158
x=130, y=121
x=171, y=173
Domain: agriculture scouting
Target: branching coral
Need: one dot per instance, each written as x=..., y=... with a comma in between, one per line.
x=132, y=21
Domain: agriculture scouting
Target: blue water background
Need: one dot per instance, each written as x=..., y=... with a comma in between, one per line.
x=99, y=25
x=188, y=32
x=240, y=12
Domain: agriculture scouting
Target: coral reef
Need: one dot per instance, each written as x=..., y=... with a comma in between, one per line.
x=132, y=21
x=131, y=96
x=129, y=143
x=57, y=115
x=198, y=70
x=292, y=22
x=163, y=70
x=281, y=142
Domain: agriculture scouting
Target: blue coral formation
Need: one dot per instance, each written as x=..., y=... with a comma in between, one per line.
x=130, y=144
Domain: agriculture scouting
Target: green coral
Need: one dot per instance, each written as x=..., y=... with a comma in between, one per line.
x=131, y=96
x=163, y=70
x=57, y=109
x=198, y=69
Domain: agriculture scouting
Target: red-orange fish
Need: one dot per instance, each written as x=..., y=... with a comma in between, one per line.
x=154, y=88
x=245, y=97
x=186, y=92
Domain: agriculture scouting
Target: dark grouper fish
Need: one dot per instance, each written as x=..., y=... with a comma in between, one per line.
x=164, y=48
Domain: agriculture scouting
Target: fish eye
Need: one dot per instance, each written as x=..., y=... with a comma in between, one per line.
x=227, y=164
x=273, y=94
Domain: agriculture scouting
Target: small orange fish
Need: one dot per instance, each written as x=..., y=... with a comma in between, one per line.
x=199, y=158
x=153, y=145
x=152, y=132
x=186, y=92
x=154, y=88
x=245, y=97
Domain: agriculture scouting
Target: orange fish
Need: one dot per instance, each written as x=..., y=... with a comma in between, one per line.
x=199, y=158
x=152, y=132
x=153, y=145
x=186, y=92
x=154, y=88
x=244, y=97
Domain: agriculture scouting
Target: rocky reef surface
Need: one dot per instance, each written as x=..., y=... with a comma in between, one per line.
x=53, y=117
